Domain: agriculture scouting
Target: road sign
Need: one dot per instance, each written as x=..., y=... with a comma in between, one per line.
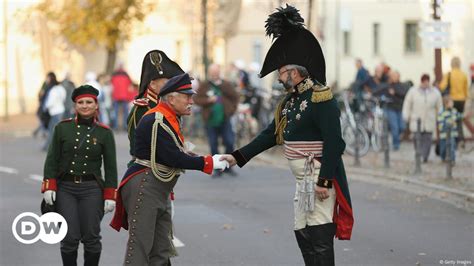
x=435, y=34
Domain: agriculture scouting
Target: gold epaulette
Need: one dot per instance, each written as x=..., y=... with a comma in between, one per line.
x=321, y=94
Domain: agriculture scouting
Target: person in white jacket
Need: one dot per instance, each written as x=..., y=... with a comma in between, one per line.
x=54, y=104
x=423, y=103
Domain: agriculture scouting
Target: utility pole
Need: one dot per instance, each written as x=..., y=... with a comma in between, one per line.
x=205, y=60
x=438, y=68
x=5, y=43
x=310, y=12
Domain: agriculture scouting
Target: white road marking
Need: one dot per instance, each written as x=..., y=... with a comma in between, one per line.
x=177, y=243
x=37, y=177
x=8, y=170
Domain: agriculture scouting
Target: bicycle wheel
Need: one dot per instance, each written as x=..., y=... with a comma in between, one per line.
x=349, y=136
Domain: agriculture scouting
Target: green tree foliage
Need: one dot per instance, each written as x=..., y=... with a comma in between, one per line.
x=88, y=23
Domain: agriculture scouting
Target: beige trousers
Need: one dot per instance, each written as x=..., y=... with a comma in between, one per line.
x=323, y=210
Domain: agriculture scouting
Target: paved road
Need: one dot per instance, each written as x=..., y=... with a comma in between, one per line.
x=247, y=220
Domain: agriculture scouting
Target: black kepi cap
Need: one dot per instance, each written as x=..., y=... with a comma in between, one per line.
x=84, y=91
x=180, y=83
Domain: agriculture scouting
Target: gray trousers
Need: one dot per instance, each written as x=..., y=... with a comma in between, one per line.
x=426, y=140
x=82, y=206
x=147, y=203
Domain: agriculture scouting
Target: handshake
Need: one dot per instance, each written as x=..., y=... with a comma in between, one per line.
x=223, y=161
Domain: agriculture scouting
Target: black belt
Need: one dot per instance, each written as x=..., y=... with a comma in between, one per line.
x=78, y=178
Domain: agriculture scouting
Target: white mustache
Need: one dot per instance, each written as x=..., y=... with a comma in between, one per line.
x=189, y=106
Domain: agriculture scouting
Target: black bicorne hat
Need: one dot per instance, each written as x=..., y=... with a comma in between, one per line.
x=156, y=64
x=84, y=91
x=294, y=44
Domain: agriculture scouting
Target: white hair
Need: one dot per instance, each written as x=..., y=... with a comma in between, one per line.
x=165, y=97
x=301, y=70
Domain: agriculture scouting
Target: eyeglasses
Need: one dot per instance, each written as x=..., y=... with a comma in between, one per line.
x=283, y=72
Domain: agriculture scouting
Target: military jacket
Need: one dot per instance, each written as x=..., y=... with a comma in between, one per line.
x=140, y=107
x=311, y=115
x=66, y=155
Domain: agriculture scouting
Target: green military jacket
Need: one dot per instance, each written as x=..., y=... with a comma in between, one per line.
x=308, y=113
x=65, y=155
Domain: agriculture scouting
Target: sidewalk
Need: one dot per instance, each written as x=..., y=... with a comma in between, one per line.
x=431, y=183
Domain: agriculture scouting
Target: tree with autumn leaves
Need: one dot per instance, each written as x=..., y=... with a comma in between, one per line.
x=92, y=23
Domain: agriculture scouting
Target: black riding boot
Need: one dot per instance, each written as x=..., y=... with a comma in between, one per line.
x=91, y=259
x=322, y=238
x=69, y=259
x=304, y=243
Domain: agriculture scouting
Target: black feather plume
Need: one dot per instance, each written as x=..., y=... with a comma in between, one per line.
x=283, y=20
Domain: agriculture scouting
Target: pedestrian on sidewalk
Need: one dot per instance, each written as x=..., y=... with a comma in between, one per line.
x=219, y=101
x=394, y=94
x=54, y=105
x=422, y=103
x=455, y=84
x=69, y=87
x=307, y=124
x=73, y=179
x=161, y=157
x=447, y=119
x=121, y=84
x=157, y=68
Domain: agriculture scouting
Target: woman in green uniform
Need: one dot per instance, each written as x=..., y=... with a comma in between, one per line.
x=73, y=179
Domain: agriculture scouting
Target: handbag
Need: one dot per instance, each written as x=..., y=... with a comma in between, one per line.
x=44, y=207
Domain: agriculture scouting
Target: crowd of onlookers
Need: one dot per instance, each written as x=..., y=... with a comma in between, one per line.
x=433, y=107
x=428, y=107
x=116, y=92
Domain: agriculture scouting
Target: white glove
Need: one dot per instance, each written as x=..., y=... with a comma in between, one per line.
x=49, y=197
x=109, y=206
x=219, y=165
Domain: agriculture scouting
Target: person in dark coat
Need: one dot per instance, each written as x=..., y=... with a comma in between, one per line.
x=307, y=125
x=144, y=193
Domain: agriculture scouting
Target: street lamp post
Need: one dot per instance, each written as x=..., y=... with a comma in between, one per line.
x=5, y=43
x=438, y=60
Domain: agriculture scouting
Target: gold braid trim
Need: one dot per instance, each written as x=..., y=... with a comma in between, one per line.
x=280, y=122
x=162, y=172
x=321, y=94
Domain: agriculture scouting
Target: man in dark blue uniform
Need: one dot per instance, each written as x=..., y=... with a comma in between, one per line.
x=144, y=193
x=307, y=124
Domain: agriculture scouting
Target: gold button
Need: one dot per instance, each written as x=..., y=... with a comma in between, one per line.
x=136, y=207
x=70, y=171
x=73, y=162
x=131, y=241
x=88, y=135
x=135, y=213
x=132, y=234
x=130, y=248
x=78, y=133
x=87, y=148
x=75, y=147
x=141, y=193
x=88, y=127
x=77, y=139
x=134, y=220
x=85, y=163
x=129, y=254
x=87, y=156
x=83, y=172
x=78, y=126
x=88, y=141
x=127, y=261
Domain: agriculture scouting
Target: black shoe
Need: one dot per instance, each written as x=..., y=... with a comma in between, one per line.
x=69, y=259
x=230, y=172
x=91, y=259
x=216, y=174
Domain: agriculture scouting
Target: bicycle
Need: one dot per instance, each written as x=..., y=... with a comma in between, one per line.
x=353, y=133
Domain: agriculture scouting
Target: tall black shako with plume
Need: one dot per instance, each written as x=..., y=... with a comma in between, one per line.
x=293, y=44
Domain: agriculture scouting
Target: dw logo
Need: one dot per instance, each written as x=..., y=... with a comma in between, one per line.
x=28, y=228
